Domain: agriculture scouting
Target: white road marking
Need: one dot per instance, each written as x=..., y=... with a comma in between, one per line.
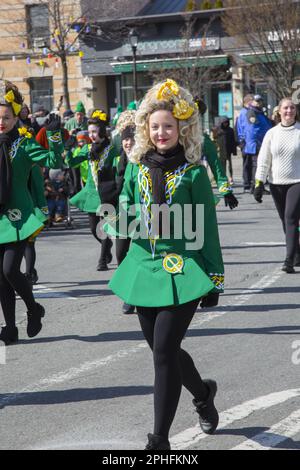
x=191, y=436
x=71, y=373
x=43, y=292
x=278, y=433
x=240, y=299
x=262, y=243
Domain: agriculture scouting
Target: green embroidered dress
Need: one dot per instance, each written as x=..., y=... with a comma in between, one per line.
x=88, y=200
x=19, y=220
x=163, y=272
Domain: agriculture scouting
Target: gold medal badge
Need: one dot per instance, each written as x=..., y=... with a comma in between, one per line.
x=173, y=263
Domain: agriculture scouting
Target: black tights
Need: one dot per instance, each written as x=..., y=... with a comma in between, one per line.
x=122, y=247
x=12, y=280
x=30, y=257
x=287, y=202
x=164, y=328
x=106, y=243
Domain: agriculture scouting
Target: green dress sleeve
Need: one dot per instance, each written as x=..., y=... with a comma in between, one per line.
x=51, y=157
x=211, y=249
x=210, y=152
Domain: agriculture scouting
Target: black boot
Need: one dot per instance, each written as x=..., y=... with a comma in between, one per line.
x=208, y=415
x=102, y=266
x=128, y=309
x=34, y=324
x=287, y=267
x=156, y=442
x=9, y=335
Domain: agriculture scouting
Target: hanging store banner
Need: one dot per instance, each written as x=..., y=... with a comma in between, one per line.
x=225, y=104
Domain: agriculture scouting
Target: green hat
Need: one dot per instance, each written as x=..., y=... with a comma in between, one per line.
x=80, y=107
x=117, y=115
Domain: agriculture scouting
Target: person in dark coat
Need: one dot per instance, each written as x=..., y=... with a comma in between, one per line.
x=256, y=124
x=225, y=139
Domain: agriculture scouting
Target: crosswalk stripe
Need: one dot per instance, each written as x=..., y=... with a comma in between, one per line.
x=191, y=436
x=278, y=433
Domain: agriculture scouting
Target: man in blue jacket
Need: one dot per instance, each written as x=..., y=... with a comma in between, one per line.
x=252, y=126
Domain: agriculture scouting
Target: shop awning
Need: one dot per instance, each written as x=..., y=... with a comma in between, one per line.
x=170, y=63
x=254, y=58
x=262, y=57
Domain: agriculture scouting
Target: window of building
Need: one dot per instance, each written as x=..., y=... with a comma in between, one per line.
x=144, y=82
x=41, y=93
x=37, y=23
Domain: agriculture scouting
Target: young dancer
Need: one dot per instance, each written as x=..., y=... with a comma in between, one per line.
x=163, y=274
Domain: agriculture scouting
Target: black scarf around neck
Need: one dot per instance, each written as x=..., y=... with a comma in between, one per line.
x=158, y=164
x=6, y=141
x=97, y=149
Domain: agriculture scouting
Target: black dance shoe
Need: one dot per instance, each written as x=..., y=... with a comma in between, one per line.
x=156, y=442
x=128, y=309
x=34, y=324
x=102, y=267
x=287, y=267
x=208, y=415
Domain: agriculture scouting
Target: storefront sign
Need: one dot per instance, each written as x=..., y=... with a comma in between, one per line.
x=291, y=35
x=174, y=45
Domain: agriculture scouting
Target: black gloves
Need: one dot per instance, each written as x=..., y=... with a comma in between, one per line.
x=258, y=191
x=231, y=201
x=53, y=123
x=210, y=300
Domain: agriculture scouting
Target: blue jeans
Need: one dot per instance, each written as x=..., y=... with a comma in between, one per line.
x=56, y=207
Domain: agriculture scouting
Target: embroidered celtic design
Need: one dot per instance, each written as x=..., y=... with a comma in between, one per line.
x=218, y=280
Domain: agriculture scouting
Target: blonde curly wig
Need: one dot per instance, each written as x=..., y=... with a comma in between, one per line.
x=189, y=129
x=127, y=118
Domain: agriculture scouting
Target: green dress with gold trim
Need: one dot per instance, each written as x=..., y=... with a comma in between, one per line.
x=19, y=219
x=163, y=272
x=88, y=200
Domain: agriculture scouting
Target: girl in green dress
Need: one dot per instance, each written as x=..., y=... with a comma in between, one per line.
x=164, y=274
x=37, y=191
x=19, y=218
x=111, y=181
x=99, y=154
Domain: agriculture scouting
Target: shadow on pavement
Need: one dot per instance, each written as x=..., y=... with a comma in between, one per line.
x=54, y=397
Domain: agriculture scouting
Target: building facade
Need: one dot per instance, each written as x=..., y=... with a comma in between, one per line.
x=165, y=46
x=25, y=32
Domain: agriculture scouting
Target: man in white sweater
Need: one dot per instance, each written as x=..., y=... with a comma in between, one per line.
x=279, y=160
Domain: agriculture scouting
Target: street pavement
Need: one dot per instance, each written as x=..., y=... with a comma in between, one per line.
x=86, y=381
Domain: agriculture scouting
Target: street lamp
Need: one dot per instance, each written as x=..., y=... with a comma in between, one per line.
x=133, y=40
